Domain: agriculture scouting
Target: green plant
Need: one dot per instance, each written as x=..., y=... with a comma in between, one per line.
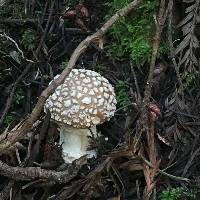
x=189, y=78
x=64, y=64
x=132, y=35
x=100, y=68
x=178, y=193
x=122, y=94
x=9, y=119
x=19, y=96
x=28, y=39
x=186, y=49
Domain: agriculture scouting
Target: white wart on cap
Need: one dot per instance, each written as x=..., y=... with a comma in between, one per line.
x=85, y=99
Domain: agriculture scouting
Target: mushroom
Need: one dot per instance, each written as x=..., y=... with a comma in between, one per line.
x=84, y=100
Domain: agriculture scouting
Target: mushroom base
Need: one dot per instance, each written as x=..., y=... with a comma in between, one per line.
x=75, y=142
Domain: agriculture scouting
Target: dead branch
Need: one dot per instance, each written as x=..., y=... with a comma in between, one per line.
x=143, y=121
x=159, y=21
x=177, y=178
x=146, y=123
x=87, y=182
x=149, y=123
x=17, y=135
x=31, y=173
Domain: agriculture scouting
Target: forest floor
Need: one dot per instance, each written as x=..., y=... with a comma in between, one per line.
x=37, y=39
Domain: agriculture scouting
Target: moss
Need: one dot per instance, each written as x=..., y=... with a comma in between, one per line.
x=28, y=39
x=122, y=94
x=132, y=35
x=179, y=193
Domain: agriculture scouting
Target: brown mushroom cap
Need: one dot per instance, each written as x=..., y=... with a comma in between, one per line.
x=85, y=99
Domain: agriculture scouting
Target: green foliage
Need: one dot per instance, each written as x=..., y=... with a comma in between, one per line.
x=132, y=35
x=28, y=39
x=178, y=193
x=64, y=64
x=19, y=96
x=100, y=68
x=9, y=119
x=122, y=94
x=191, y=79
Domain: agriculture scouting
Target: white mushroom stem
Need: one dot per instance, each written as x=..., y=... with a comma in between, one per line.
x=75, y=142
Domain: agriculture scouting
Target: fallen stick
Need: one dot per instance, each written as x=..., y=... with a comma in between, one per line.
x=32, y=173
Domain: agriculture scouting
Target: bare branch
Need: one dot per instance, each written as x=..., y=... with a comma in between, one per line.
x=17, y=46
x=31, y=173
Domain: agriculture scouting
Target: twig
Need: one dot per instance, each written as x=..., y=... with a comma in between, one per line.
x=17, y=46
x=177, y=178
x=46, y=29
x=17, y=135
x=85, y=183
x=136, y=83
x=160, y=21
x=143, y=121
